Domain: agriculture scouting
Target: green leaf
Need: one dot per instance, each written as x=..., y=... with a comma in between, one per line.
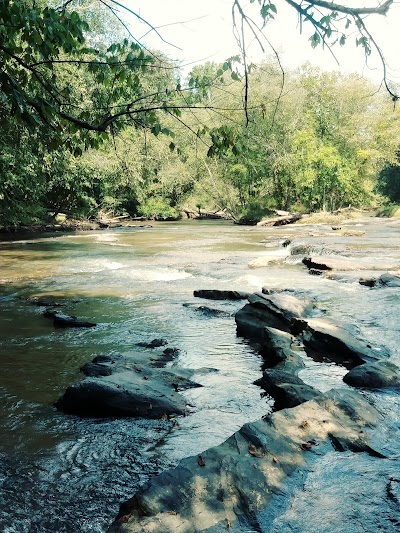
x=315, y=40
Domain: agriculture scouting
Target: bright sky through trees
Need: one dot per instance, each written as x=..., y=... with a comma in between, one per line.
x=203, y=31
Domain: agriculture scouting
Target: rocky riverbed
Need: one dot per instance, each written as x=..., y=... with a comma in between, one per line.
x=236, y=481
x=132, y=322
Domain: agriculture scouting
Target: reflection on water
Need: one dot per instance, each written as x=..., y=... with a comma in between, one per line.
x=59, y=473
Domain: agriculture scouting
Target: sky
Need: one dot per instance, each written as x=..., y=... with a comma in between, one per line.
x=201, y=30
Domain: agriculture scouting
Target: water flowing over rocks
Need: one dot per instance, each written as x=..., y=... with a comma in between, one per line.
x=296, y=469
x=237, y=479
x=385, y=280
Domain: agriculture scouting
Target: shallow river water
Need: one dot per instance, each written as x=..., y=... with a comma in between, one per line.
x=59, y=473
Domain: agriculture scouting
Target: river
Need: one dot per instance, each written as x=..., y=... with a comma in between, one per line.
x=59, y=473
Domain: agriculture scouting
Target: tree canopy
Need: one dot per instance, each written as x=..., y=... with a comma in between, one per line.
x=94, y=123
x=39, y=41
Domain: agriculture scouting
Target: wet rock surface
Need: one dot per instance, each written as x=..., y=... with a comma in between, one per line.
x=130, y=385
x=214, y=294
x=233, y=483
x=274, y=310
x=382, y=374
x=326, y=337
x=335, y=262
x=194, y=497
x=385, y=280
x=123, y=394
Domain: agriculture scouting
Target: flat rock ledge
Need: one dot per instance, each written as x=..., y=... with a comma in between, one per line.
x=330, y=339
x=239, y=477
x=336, y=262
x=133, y=385
x=277, y=310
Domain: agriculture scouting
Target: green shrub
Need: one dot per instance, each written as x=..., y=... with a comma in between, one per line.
x=157, y=208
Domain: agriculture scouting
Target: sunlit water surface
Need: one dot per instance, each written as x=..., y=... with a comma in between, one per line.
x=63, y=474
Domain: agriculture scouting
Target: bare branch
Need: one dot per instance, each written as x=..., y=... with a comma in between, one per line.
x=340, y=8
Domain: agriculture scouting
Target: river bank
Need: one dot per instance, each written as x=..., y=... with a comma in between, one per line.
x=63, y=223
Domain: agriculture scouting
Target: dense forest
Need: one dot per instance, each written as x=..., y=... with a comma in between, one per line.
x=245, y=139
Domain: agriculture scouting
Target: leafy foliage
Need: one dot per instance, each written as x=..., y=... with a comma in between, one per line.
x=95, y=125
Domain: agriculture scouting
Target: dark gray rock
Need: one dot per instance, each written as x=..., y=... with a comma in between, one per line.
x=282, y=381
x=368, y=282
x=272, y=310
x=314, y=264
x=239, y=477
x=155, y=343
x=385, y=280
x=168, y=355
x=334, y=341
x=215, y=294
x=315, y=272
x=276, y=348
x=287, y=389
x=60, y=320
x=125, y=394
x=96, y=369
x=382, y=374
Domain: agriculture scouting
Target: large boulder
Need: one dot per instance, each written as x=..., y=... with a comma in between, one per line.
x=239, y=477
x=96, y=369
x=329, y=339
x=382, y=374
x=124, y=394
x=272, y=310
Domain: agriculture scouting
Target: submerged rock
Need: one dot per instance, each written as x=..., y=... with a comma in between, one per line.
x=239, y=477
x=208, y=311
x=385, y=280
x=155, y=343
x=265, y=261
x=382, y=374
x=60, y=320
